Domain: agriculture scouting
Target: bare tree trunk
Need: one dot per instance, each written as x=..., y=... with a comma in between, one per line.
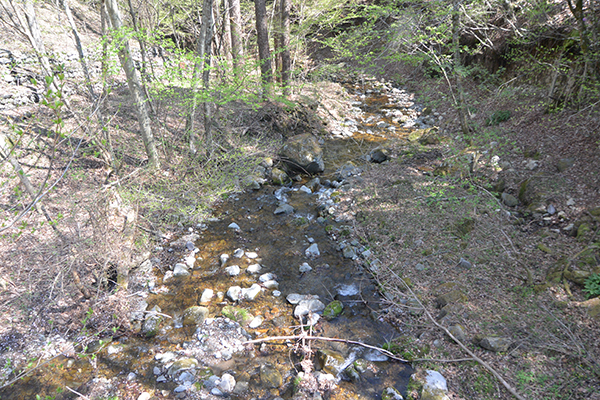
x=462, y=114
x=144, y=69
x=133, y=81
x=285, y=46
x=236, y=33
x=202, y=67
x=264, y=54
x=277, y=39
x=226, y=32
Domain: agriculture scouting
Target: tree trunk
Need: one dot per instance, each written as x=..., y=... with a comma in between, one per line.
x=226, y=32
x=285, y=46
x=236, y=34
x=202, y=67
x=277, y=39
x=462, y=114
x=133, y=81
x=264, y=54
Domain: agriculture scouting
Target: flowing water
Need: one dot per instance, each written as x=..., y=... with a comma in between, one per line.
x=278, y=243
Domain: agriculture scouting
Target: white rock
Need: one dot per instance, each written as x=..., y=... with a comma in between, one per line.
x=238, y=253
x=276, y=293
x=307, y=306
x=312, y=251
x=256, y=322
x=207, y=295
x=266, y=277
x=251, y=254
x=227, y=383
x=180, y=270
x=272, y=284
x=305, y=268
x=223, y=258
x=253, y=269
x=435, y=380
x=305, y=189
x=233, y=225
x=251, y=292
x=234, y=293
x=144, y=396
x=190, y=261
x=233, y=270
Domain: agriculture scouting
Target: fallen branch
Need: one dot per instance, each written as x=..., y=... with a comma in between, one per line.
x=327, y=339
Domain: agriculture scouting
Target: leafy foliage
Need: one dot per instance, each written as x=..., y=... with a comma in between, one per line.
x=592, y=286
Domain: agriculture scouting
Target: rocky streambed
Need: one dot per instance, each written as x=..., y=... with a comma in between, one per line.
x=222, y=311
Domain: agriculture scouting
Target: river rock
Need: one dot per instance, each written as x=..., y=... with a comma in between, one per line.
x=234, y=293
x=305, y=307
x=223, y=258
x=433, y=383
x=305, y=268
x=349, y=252
x=564, y=163
x=302, y=153
x=233, y=225
x=270, y=376
x=304, y=189
x=271, y=284
x=195, y=315
x=313, y=184
x=283, y=208
x=329, y=361
x=253, y=269
x=256, y=322
x=233, y=270
x=180, y=270
x=267, y=277
x=152, y=322
x=238, y=253
x=391, y=393
x=333, y=309
x=458, y=331
x=279, y=177
x=495, y=344
x=227, y=383
x=312, y=251
x=347, y=170
x=251, y=292
x=207, y=296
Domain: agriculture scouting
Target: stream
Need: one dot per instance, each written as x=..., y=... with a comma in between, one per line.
x=265, y=265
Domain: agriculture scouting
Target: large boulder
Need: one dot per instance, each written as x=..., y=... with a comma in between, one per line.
x=302, y=153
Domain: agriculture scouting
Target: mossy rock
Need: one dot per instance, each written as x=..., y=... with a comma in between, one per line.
x=455, y=296
x=238, y=314
x=333, y=309
x=583, y=230
x=195, y=315
x=329, y=361
x=465, y=226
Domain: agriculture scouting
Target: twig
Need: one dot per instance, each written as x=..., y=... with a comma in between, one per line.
x=326, y=339
x=77, y=393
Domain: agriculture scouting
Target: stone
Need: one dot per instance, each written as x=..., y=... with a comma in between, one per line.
x=307, y=306
x=144, y=396
x=233, y=225
x=312, y=251
x=207, y=295
x=227, y=383
x=349, y=252
x=152, y=322
x=267, y=277
x=391, y=393
x=303, y=153
x=434, y=386
x=256, y=322
x=194, y=315
x=234, y=293
x=233, y=270
x=251, y=255
x=251, y=292
x=182, y=365
x=329, y=361
x=240, y=387
x=509, y=200
x=347, y=170
x=464, y=264
x=272, y=284
x=284, y=208
x=333, y=309
x=495, y=344
x=454, y=296
x=270, y=376
x=253, y=269
x=238, y=253
x=564, y=163
x=305, y=268
x=378, y=156
x=223, y=258
x=180, y=270
x=304, y=189
x=279, y=177
x=458, y=331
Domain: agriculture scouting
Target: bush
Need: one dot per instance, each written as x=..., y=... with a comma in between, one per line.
x=592, y=286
